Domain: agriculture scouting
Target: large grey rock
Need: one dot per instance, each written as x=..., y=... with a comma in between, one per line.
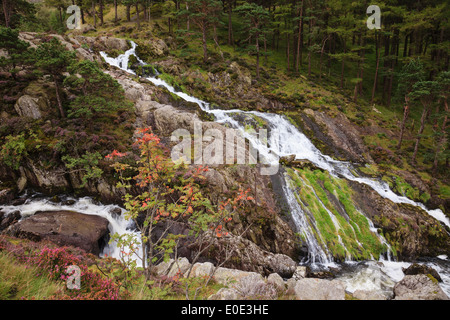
x=9, y=219
x=173, y=267
x=300, y=272
x=368, y=295
x=226, y=294
x=27, y=106
x=65, y=228
x=419, y=287
x=417, y=268
x=253, y=287
x=201, y=269
x=168, y=119
x=115, y=43
x=158, y=47
x=179, y=267
x=228, y=276
x=319, y=289
x=277, y=281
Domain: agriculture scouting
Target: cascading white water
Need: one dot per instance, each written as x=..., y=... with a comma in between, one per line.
x=117, y=223
x=291, y=141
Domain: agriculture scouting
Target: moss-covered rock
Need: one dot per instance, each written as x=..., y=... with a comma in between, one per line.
x=340, y=226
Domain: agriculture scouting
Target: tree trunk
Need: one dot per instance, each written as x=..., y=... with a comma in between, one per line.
x=128, y=10
x=149, y=10
x=321, y=55
x=377, y=54
x=405, y=46
x=257, y=57
x=288, y=53
x=343, y=67
x=138, y=22
x=60, y=16
x=94, y=14
x=58, y=97
x=101, y=11
x=115, y=11
x=442, y=140
x=299, y=38
x=82, y=16
x=230, y=25
x=422, y=126
x=363, y=56
x=216, y=41
x=402, y=127
x=205, y=49
x=188, y=19
x=7, y=11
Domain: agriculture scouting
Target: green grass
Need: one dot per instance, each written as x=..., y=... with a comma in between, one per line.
x=19, y=280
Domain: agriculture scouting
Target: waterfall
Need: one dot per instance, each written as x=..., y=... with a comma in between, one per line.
x=117, y=222
x=291, y=141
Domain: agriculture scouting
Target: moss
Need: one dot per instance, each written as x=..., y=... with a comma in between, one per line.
x=432, y=278
x=341, y=237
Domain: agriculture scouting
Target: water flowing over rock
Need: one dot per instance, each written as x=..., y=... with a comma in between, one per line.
x=65, y=228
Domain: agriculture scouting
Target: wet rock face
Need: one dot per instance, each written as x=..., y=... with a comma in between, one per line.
x=416, y=268
x=410, y=231
x=64, y=228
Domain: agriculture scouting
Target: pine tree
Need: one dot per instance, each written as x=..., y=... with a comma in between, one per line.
x=256, y=19
x=409, y=75
x=52, y=58
x=16, y=48
x=204, y=14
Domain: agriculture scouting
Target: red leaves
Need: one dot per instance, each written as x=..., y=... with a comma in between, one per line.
x=115, y=154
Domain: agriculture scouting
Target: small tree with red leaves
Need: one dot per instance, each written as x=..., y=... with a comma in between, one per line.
x=169, y=193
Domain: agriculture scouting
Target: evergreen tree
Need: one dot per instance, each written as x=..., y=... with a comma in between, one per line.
x=256, y=19
x=204, y=14
x=16, y=49
x=52, y=58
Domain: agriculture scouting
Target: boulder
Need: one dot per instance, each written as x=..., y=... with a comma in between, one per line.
x=64, y=228
x=158, y=47
x=247, y=256
x=419, y=287
x=297, y=163
x=277, y=281
x=86, y=28
x=228, y=276
x=27, y=106
x=226, y=294
x=416, y=268
x=368, y=295
x=115, y=43
x=179, y=267
x=253, y=287
x=300, y=272
x=202, y=269
x=6, y=195
x=9, y=219
x=319, y=289
x=168, y=119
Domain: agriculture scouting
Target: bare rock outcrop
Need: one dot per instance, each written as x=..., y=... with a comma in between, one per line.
x=419, y=287
x=64, y=228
